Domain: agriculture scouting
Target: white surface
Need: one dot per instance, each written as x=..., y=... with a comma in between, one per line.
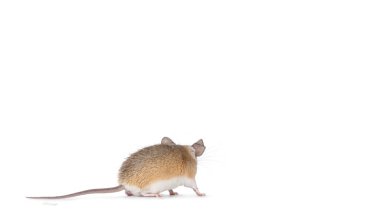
x=285, y=95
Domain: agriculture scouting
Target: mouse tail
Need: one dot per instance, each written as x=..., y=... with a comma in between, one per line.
x=85, y=192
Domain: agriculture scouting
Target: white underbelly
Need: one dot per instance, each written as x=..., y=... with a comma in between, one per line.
x=162, y=185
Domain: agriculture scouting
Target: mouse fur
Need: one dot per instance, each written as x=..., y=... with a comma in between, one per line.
x=158, y=168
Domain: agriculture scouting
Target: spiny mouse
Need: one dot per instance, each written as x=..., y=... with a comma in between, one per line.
x=154, y=169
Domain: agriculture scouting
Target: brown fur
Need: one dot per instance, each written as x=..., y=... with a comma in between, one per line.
x=158, y=162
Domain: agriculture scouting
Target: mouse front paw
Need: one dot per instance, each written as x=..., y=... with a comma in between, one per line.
x=201, y=194
x=198, y=193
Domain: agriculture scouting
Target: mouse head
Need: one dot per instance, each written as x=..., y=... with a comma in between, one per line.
x=198, y=147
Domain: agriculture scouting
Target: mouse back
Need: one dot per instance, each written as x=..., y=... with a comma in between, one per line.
x=158, y=162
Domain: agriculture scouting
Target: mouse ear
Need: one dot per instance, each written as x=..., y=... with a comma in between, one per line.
x=199, y=147
x=167, y=141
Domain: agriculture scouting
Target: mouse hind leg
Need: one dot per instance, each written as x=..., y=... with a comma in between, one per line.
x=171, y=192
x=129, y=193
x=131, y=190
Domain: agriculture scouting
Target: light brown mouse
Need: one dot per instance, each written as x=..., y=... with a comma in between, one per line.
x=154, y=169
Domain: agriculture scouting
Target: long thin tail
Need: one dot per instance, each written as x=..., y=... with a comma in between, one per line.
x=90, y=191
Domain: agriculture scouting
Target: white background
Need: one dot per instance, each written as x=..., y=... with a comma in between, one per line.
x=285, y=95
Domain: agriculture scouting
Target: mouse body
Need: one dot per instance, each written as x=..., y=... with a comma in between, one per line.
x=154, y=169
x=161, y=167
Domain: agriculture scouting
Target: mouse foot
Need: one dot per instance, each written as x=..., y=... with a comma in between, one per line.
x=128, y=193
x=151, y=195
x=196, y=190
x=172, y=193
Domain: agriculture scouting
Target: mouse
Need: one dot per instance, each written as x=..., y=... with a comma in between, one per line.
x=153, y=170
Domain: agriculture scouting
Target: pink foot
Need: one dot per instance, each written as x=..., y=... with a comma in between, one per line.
x=151, y=195
x=171, y=192
x=128, y=193
x=198, y=193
